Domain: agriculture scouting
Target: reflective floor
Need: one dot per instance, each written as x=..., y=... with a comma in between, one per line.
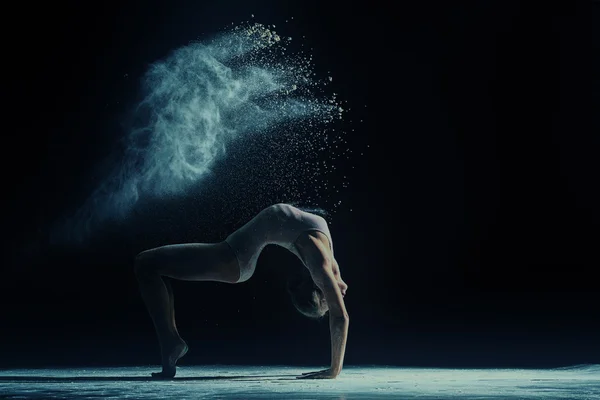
x=279, y=382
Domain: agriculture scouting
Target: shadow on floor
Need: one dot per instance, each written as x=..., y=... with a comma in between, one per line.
x=43, y=379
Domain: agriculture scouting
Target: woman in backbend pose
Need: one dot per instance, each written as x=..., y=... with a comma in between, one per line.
x=233, y=261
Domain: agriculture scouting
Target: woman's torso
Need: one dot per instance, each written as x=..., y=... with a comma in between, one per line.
x=279, y=224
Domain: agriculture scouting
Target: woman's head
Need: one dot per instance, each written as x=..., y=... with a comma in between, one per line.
x=306, y=296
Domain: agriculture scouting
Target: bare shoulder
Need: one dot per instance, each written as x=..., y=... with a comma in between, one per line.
x=314, y=240
x=314, y=249
x=318, y=258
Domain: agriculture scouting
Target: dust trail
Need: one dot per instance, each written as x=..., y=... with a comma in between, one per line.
x=207, y=105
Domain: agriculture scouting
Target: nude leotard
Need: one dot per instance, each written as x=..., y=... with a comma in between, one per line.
x=280, y=224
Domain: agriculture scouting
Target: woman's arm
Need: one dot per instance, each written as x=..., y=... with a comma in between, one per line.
x=323, y=276
x=338, y=326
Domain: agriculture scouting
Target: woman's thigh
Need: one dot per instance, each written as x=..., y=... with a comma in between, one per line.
x=192, y=262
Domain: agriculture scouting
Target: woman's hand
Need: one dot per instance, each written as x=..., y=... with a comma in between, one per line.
x=324, y=374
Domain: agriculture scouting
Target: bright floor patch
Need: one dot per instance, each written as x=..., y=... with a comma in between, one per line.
x=279, y=382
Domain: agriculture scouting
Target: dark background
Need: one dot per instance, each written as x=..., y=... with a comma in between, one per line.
x=473, y=236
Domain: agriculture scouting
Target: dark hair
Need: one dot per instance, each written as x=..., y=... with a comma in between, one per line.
x=313, y=210
x=306, y=296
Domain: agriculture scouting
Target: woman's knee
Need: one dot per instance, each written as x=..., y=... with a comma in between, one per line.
x=144, y=264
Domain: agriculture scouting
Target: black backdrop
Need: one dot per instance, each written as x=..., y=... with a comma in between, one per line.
x=473, y=236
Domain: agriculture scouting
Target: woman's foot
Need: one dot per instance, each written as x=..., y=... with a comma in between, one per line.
x=170, y=355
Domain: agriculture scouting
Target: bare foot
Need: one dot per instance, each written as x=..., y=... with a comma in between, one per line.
x=171, y=354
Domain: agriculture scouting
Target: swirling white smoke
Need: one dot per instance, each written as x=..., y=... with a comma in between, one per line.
x=238, y=96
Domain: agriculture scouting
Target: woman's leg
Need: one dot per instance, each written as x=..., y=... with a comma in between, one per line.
x=156, y=296
x=167, y=282
x=192, y=262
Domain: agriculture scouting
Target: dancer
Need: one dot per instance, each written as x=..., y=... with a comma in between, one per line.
x=233, y=261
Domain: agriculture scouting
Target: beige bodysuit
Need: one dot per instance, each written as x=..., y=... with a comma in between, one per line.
x=279, y=224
